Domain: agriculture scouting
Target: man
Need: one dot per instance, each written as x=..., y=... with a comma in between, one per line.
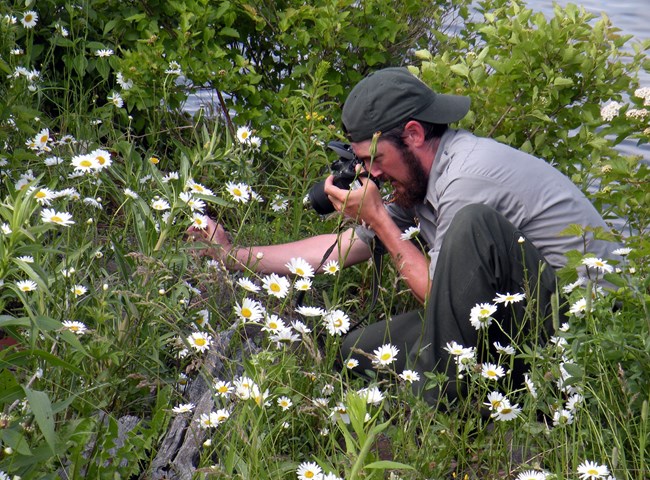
x=489, y=214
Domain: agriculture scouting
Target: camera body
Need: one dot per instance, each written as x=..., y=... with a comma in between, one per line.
x=344, y=172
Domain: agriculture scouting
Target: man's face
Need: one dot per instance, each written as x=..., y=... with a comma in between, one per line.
x=398, y=166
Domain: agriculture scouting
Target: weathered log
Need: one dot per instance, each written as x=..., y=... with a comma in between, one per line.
x=179, y=451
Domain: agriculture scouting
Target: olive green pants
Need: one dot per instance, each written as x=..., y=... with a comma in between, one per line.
x=481, y=255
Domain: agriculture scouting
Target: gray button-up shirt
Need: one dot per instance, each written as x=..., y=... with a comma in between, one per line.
x=535, y=197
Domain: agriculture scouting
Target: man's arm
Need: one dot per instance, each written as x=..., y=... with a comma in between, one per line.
x=348, y=250
x=365, y=204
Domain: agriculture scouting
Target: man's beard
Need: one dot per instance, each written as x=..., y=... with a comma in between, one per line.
x=415, y=188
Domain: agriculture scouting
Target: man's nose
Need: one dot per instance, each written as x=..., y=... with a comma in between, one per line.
x=373, y=170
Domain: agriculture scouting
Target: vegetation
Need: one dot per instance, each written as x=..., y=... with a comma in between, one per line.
x=107, y=312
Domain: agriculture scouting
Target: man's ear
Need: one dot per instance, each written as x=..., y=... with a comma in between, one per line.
x=413, y=134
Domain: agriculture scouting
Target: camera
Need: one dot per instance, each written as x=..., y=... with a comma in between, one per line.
x=344, y=172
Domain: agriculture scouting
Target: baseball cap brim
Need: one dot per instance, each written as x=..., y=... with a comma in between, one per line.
x=390, y=97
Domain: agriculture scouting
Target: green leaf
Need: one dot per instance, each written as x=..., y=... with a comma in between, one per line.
x=387, y=464
x=16, y=441
x=229, y=32
x=41, y=407
x=562, y=82
x=460, y=69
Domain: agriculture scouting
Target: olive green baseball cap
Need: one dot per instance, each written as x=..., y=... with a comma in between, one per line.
x=390, y=97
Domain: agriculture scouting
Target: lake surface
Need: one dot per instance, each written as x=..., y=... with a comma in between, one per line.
x=632, y=17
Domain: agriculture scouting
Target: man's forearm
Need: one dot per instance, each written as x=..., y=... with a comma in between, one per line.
x=407, y=257
x=347, y=250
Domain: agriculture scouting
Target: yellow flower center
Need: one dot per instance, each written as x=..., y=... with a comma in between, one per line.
x=236, y=192
x=275, y=287
x=86, y=163
x=101, y=160
x=73, y=328
x=300, y=271
x=246, y=312
x=57, y=219
x=40, y=194
x=273, y=325
x=338, y=322
x=154, y=160
x=386, y=356
x=198, y=188
x=199, y=341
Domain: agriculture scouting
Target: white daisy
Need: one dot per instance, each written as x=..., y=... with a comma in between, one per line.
x=248, y=285
x=77, y=328
x=276, y=285
x=562, y=417
x=494, y=400
x=60, y=218
x=116, y=99
x=598, y=264
x=104, y=52
x=223, y=388
x=509, y=298
x=410, y=233
x=410, y=376
x=352, y=363
x=183, y=408
x=249, y=310
x=240, y=192
x=283, y=337
x=131, y=194
x=507, y=350
x=43, y=195
x=300, y=327
x=331, y=267
x=84, y=163
x=307, y=311
x=309, y=471
x=299, y=266
x=589, y=470
x=160, y=204
x=198, y=188
x=273, y=324
x=78, y=290
x=624, y=251
x=199, y=221
x=199, y=341
x=531, y=475
x=372, y=395
x=243, y=134
x=492, y=371
x=336, y=322
x=385, y=355
x=284, y=403
x=303, y=284
x=481, y=315
x=123, y=82
x=506, y=412
x=30, y=18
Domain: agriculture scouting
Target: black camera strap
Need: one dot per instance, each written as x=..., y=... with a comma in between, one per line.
x=377, y=261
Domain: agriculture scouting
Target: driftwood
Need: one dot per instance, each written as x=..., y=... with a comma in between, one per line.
x=179, y=451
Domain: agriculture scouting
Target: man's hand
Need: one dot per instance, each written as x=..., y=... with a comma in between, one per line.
x=363, y=204
x=218, y=240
